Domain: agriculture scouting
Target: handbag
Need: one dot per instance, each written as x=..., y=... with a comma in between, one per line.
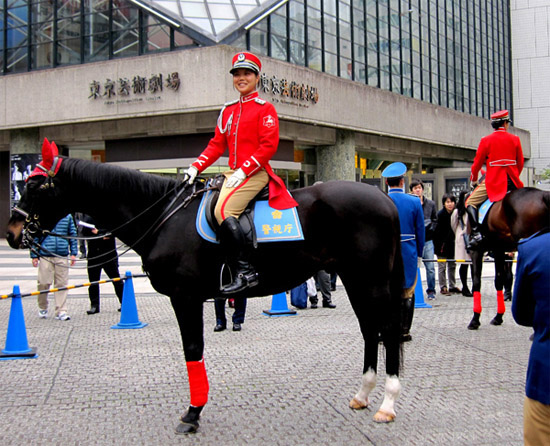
x=311, y=287
x=298, y=296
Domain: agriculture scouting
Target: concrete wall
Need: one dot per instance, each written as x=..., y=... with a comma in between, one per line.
x=59, y=98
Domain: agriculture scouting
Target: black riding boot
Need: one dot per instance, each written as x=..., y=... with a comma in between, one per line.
x=475, y=237
x=407, y=313
x=233, y=242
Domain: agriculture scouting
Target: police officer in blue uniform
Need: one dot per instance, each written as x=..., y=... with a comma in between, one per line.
x=411, y=218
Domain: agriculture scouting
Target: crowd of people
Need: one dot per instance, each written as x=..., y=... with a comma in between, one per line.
x=425, y=231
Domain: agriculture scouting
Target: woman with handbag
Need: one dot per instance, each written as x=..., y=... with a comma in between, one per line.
x=444, y=244
x=459, y=223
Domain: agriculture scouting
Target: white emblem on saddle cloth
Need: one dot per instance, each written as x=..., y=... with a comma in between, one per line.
x=272, y=225
x=269, y=121
x=484, y=209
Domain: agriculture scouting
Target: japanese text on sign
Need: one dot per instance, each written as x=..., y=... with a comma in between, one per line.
x=286, y=89
x=138, y=85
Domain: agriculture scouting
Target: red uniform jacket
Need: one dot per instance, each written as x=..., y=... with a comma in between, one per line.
x=249, y=128
x=502, y=154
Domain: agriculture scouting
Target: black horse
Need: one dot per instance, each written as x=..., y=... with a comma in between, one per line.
x=520, y=214
x=350, y=228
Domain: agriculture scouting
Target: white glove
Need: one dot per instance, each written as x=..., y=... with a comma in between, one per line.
x=190, y=174
x=473, y=184
x=236, y=179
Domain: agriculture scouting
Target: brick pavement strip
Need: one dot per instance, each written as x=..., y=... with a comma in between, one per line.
x=281, y=381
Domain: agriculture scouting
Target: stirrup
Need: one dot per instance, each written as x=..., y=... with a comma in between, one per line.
x=474, y=240
x=241, y=282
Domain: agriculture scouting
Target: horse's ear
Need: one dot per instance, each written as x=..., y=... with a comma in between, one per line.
x=47, y=155
x=55, y=150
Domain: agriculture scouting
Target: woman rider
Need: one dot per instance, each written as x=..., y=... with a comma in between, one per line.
x=249, y=128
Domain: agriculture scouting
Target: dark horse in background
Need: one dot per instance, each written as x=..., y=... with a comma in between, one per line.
x=520, y=214
x=350, y=228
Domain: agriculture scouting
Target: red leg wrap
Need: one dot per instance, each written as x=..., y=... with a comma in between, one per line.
x=198, y=382
x=501, y=308
x=477, y=302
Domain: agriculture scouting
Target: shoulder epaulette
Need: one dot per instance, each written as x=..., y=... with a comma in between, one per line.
x=260, y=101
x=230, y=102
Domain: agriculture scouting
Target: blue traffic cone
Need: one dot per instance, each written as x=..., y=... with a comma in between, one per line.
x=279, y=306
x=419, y=293
x=17, y=346
x=129, y=313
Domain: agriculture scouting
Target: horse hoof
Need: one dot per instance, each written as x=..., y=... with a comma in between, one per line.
x=497, y=320
x=189, y=421
x=383, y=417
x=473, y=325
x=187, y=428
x=358, y=405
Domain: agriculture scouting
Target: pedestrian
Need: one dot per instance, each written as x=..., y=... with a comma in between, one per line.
x=531, y=308
x=238, y=314
x=79, y=229
x=459, y=223
x=53, y=266
x=102, y=255
x=444, y=245
x=322, y=281
x=251, y=149
x=411, y=219
x=502, y=154
x=333, y=279
x=430, y=217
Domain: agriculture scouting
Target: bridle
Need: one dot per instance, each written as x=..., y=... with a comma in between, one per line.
x=32, y=228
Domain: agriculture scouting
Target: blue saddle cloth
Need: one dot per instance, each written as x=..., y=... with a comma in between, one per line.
x=272, y=225
x=484, y=210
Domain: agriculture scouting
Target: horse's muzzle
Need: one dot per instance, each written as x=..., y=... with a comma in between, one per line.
x=14, y=234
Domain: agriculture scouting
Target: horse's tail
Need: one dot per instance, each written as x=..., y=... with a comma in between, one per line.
x=396, y=290
x=546, y=199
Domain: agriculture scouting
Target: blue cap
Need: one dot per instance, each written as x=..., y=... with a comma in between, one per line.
x=394, y=170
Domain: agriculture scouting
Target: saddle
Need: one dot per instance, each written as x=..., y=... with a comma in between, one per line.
x=246, y=219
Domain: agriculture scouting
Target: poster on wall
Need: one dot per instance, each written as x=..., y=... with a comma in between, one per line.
x=21, y=167
x=455, y=185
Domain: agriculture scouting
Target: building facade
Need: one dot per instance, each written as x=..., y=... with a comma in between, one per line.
x=357, y=83
x=531, y=74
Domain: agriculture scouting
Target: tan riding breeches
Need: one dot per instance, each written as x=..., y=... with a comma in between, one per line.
x=536, y=428
x=478, y=196
x=233, y=201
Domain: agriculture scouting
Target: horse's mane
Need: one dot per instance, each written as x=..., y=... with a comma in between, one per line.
x=117, y=179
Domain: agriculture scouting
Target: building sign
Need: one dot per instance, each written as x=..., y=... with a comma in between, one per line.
x=138, y=89
x=289, y=92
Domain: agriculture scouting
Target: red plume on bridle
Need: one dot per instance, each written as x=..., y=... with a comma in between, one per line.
x=50, y=160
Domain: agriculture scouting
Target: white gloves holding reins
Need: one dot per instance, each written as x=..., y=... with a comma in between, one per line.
x=190, y=174
x=236, y=179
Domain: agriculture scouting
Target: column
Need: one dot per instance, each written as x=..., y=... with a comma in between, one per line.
x=25, y=141
x=337, y=162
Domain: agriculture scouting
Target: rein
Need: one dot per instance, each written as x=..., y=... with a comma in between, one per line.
x=167, y=215
x=32, y=224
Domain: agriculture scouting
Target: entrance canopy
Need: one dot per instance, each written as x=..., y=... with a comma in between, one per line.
x=214, y=20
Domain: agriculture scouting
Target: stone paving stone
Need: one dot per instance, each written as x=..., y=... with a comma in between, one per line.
x=280, y=381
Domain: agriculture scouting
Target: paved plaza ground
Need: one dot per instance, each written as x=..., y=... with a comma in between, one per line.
x=280, y=381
